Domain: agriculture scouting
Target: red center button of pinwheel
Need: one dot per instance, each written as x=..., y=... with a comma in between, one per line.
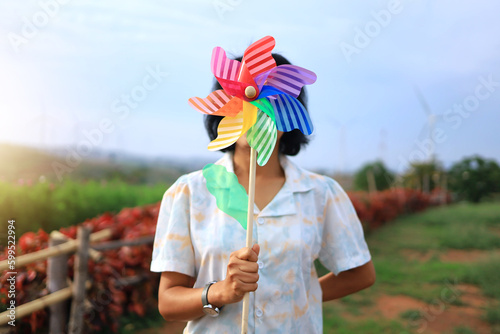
x=250, y=92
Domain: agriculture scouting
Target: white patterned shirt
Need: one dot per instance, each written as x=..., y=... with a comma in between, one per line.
x=311, y=217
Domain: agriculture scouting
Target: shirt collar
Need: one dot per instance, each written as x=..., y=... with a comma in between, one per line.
x=284, y=201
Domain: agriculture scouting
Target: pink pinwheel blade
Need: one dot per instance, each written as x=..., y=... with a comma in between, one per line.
x=227, y=71
x=223, y=67
x=290, y=78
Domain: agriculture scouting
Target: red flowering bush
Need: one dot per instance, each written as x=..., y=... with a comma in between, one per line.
x=111, y=294
x=378, y=208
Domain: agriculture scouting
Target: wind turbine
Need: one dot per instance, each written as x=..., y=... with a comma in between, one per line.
x=42, y=120
x=382, y=146
x=342, y=141
x=432, y=118
x=428, y=128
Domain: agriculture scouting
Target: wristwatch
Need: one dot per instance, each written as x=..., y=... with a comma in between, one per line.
x=209, y=309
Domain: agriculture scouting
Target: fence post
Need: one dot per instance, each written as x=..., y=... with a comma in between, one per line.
x=80, y=277
x=57, y=273
x=444, y=190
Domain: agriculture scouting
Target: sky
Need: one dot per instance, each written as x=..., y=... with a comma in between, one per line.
x=397, y=80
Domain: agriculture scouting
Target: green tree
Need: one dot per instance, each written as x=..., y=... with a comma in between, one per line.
x=474, y=178
x=424, y=176
x=373, y=175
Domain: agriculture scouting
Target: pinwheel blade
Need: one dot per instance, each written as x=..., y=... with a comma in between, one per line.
x=290, y=78
x=230, y=196
x=232, y=128
x=258, y=58
x=223, y=67
x=260, y=79
x=262, y=137
x=265, y=106
x=269, y=91
x=213, y=103
x=291, y=114
x=226, y=71
x=234, y=88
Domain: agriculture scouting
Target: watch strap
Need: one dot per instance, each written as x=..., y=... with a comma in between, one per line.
x=204, y=295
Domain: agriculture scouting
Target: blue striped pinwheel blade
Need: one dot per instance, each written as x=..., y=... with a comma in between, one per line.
x=262, y=137
x=290, y=114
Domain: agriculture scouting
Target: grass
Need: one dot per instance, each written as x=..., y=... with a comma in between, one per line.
x=463, y=330
x=130, y=323
x=411, y=315
x=435, y=231
x=334, y=323
x=493, y=316
x=48, y=206
x=133, y=322
x=486, y=275
x=355, y=303
x=461, y=226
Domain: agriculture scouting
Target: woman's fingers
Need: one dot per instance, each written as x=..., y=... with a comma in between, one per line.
x=248, y=278
x=246, y=266
x=241, y=287
x=256, y=249
x=246, y=253
x=242, y=273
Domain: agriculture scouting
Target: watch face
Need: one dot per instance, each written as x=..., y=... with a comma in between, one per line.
x=211, y=310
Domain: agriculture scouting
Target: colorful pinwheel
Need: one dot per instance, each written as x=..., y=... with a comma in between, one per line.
x=258, y=98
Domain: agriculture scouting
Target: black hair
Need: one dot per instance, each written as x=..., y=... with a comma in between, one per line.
x=290, y=143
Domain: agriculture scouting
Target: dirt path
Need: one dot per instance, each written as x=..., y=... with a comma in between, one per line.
x=441, y=316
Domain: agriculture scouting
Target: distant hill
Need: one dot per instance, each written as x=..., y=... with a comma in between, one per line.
x=29, y=163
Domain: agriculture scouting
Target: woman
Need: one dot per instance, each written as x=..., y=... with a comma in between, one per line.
x=300, y=216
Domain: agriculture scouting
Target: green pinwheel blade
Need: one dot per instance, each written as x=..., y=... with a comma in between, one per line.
x=266, y=106
x=231, y=197
x=262, y=137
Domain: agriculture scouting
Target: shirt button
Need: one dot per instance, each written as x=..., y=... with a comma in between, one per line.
x=258, y=312
x=260, y=221
x=261, y=264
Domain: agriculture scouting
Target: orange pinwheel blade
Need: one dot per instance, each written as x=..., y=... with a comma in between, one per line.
x=212, y=103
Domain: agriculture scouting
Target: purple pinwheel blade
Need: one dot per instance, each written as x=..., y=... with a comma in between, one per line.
x=290, y=78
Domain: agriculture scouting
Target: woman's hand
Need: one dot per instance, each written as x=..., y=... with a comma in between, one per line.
x=241, y=277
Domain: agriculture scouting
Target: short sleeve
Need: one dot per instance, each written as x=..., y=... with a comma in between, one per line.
x=343, y=245
x=173, y=249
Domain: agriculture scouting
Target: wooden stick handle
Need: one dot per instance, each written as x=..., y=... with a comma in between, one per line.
x=251, y=200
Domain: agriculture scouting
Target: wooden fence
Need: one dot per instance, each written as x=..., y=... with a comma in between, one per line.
x=61, y=288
